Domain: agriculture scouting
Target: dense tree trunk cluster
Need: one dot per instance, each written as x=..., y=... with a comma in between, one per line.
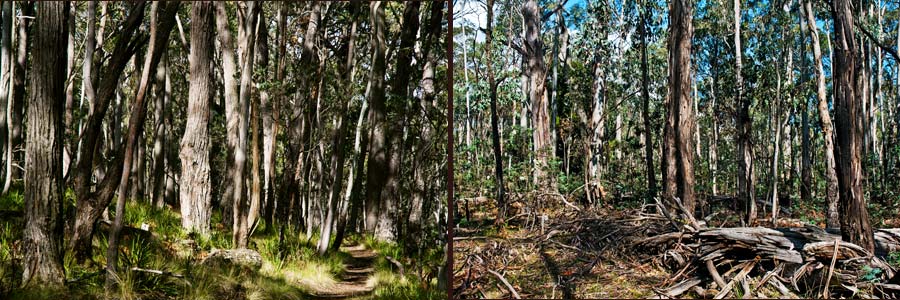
x=104, y=119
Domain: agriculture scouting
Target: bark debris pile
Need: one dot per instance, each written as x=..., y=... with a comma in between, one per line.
x=739, y=262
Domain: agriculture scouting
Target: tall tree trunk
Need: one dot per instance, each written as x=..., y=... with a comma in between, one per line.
x=645, y=112
x=232, y=113
x=163, y=91
x=495, y=131
x=270, y=122
x=5, y=78
x=196, y=187
x=831, y=183
x=299, y=133
x=90, y=204
x=17, y=101
x=680, y=121
x=159, y=38
x=805, y=155
x=337, y=143
x=43, y=235
x=260, y=112
x=246, y=39
x=536, y=71
x=378, y=148
x=854, y=217
x=354, y=197
x=746, y=185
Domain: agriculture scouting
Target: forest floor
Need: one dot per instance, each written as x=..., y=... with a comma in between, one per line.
x=357, y=279
x=290, y=269
x=579, y=252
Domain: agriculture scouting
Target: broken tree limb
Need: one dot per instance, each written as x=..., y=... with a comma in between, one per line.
x=506, y=283
x=157, y=272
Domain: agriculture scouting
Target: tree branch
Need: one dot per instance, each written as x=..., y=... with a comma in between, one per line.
x=878, y=43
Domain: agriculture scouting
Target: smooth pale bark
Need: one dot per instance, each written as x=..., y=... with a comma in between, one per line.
x=714, y=115
x=594, y=144
x=232, y=112
x=159, y=38
x=745, y=179
x=270, y=123
x=246, y=38
x=93, y=198
x=87, y=66
x=70, y=90
x=17, y=100
x=196, y=187
x=465, y=65
x=5, y=79
x=43, y=234
x=680, y=116
x=854, y=216
x=259, y=112
x=831, y=180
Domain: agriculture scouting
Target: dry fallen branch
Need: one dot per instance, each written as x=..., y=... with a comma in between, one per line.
x=506, y=283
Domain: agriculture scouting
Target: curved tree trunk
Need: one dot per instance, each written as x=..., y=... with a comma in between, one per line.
x=831, y=183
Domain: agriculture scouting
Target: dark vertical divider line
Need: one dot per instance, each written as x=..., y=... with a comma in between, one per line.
x=450, y=180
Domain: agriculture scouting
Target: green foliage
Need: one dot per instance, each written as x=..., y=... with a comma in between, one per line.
x=870, y=274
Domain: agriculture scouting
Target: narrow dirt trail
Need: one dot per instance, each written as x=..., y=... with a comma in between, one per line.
x=354, y=282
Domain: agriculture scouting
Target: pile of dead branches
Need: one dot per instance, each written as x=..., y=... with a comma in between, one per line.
x=741, y=262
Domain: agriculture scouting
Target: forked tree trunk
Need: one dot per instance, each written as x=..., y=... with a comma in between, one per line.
x=90, y=204
x=43, y=235
x=159, y=38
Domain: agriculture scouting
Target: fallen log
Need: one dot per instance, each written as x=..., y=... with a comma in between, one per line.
x=817, y=261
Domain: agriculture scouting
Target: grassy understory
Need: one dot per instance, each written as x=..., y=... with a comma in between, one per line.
x=291, y=270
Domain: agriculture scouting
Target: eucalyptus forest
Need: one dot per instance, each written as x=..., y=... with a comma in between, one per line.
x=676, y=149
x=223, y=150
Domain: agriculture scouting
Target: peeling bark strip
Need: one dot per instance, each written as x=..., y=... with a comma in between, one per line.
x=831, y=193
x=855, y=226
x=678, y=147
x=43, y=237
x=536, y=71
